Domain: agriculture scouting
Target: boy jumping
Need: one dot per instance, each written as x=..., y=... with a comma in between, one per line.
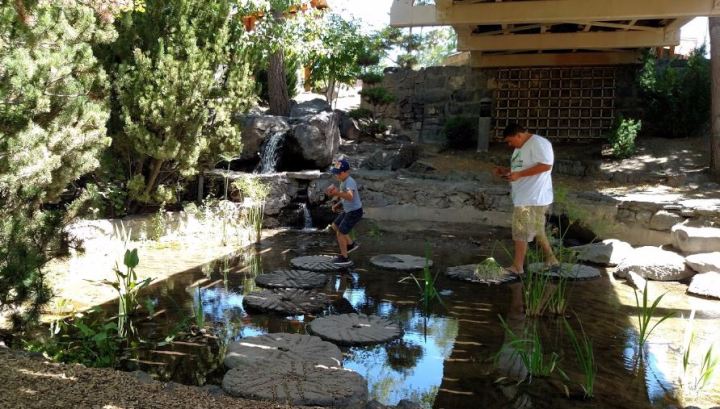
x=351, y=211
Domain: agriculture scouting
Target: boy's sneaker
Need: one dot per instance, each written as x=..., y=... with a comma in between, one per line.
x=352, y=247
x=342, y=261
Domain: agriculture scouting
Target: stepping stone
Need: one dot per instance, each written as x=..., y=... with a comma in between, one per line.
x=467, y=273
x=315, y=263
x=300, y=383
x=400, y=262
x=654, y=263
x=566, y=270
x=609, y=252
x=281, y=349
x=695, y=239
x=355, y=329
x=636, y=281
x=286, y=301
x=291, y=279
x=706, y=285
x=704, y=262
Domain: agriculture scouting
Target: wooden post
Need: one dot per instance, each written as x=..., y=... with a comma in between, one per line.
x=714, y=23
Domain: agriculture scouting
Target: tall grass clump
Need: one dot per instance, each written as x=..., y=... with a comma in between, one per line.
x=529, y=349
x=646, y=312
x=696, y=376
x=256, y=193
x=584, y=355
x=426, y=283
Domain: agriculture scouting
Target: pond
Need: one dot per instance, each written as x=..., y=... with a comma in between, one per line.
x=448, y=356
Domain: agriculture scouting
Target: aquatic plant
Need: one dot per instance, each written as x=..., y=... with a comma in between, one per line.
x=529, y=350
x=645, y=314
x=158, y=226
x=557, y=303
x=257, y=192
x=428, y=292
x=584, y=355
x=198, y=311
x=696, y=377
x=489, y=270
x=536, y=292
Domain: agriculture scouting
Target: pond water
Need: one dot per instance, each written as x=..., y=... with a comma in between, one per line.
x=447, y=355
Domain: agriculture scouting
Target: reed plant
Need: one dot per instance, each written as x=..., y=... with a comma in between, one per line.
x=426, y=283
x=528, y=348
x=696, y=377
x=256, y=192
x=536, y=292
x=646, y=312
x=584, y=355
x=198, y=310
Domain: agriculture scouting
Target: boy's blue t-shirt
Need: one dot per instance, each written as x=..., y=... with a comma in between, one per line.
x=355, y=203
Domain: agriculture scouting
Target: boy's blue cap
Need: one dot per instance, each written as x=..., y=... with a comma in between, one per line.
x=339, y=166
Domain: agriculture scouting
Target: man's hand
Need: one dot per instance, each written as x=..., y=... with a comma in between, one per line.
x=513, y=176
x=501, y=171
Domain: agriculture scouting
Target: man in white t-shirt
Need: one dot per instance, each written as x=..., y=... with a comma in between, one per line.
x=532, y=192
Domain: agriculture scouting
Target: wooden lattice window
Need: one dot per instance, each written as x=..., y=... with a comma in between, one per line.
x=558, y=103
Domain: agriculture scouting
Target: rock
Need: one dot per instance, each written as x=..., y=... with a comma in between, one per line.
x=317, y=141
x=315, y=263
x=213, y=390
x=286, y=301
x=373, y=404
x=255, y=129
x=291, y=279
x=695, y=239
x=281, y=349
x=408, y=404
x=706, y=285
x=566, y=270
x=704, y=262
x=636, y=281
x=467, y=272
x=312, y=107
x=349, y=128
x=401, y=262
x=355, y=329
x=142, y=376
x=608, y=252
x=392, y=159
x=654, y=263
x=664, y=220
x=298, y=384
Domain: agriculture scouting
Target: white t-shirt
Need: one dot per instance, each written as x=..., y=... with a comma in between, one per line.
x=532, y=190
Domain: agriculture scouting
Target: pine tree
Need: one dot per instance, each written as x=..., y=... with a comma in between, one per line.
x=53, y=109
x=182, y=74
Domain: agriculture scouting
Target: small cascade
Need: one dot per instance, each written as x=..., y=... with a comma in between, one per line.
x=307, y=218
x=270, y=155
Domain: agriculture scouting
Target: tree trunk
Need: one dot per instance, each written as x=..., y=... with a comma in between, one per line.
x=277, y=85
x=154, y=173
x=714, y=23
x=330, y=91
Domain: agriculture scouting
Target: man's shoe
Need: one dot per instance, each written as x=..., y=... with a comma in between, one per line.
x=352, y=247
x=342, y=261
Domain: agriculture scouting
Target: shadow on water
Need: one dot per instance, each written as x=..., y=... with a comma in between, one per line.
x=447, y=356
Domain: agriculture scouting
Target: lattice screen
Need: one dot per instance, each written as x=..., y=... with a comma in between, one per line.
x=558, y=103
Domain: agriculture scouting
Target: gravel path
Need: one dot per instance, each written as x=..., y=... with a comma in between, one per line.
x=31, y=382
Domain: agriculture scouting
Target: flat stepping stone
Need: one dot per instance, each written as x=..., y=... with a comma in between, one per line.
x=287, y=301
x=355, y=329
x=291, y=279
x=401, y=262
x=706, y=285
x=566, y=270
x=468, y=273
x=316, y=263
x=281, y=349
x=300, y=383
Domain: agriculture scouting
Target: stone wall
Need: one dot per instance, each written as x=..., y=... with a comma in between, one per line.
x=426, y=98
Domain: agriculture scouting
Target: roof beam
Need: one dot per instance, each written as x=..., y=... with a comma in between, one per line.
x=478, y=59
x=568, y=41
x=404, y=14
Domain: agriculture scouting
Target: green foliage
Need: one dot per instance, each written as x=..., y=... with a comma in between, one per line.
x=529, y=349
x=360, y=113
x=372, y=78
x=182, y=72
x=697, y=376
x=377, y=96
x=437, y=45
x=489, y=270
x=128, y=287
x=460, y=132
x=584, y=355
x=53, y=109
x=676, y=98
x=257, y=192
x=79, y=339
x=427, y=288
x=623, y=137
x=158, y=226
x=646, y=312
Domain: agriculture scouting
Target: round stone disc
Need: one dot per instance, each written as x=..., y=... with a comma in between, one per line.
x=291, y=279
x=467, y=273
x=287, y=301
x=300, y=383
x=566, y=270
x=355, y=329
x=400, y=262
x=315, y=263
x=280, y=349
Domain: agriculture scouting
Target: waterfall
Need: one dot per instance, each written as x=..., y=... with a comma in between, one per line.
x=270, y=154
x=308, y=224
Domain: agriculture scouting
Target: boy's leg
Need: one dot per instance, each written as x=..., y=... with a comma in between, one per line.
x=342, y=240
x=344, y=229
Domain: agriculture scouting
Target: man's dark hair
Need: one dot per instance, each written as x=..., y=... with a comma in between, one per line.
x=513, y=129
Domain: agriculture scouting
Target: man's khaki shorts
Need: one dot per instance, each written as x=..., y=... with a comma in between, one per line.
x=528, y=222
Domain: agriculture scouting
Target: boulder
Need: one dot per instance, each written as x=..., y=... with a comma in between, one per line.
x=349, y=127
x=654, y=263
x=704, y=262
x=312, y=107
x=664, y=220
x=394, y=158
x=316, y=141
x=693, y=240
x=706, y=285
x=608, y=252
x=255, y=129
